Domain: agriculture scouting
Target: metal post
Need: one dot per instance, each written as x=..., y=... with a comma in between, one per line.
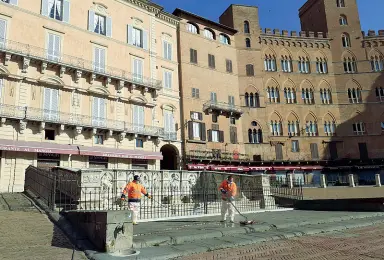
x=378, y=180
x=323, y=182
x=351, y=180
x=290, y=181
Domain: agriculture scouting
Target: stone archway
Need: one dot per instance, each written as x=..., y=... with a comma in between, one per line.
x=170, y=158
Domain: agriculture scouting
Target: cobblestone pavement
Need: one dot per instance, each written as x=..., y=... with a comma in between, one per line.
x=354, y=244
x=29, y=234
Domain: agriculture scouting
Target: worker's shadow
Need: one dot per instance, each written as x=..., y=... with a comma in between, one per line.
x=360, y=138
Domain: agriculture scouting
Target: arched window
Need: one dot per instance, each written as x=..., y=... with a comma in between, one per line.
x=276, y=128
x=340, y=3
x=325, y=96
x=293, y=128
x=208, y=33
x=350, y=65
x=269, y=63
x=380, y=94
x=343, y=20
x=304, y=65
x=247, y=43
x=329, y=128
x=311, y=128
x=246, y=27
x=192, y=28
x=224, y=39
x=273, y=94
x=255, y=134
x=252, y=100
x=321, y=66
x=377, y=63
x=290, y=95
x=354, y=95
x=286, y=64
x=346, y=41
x=307, y=96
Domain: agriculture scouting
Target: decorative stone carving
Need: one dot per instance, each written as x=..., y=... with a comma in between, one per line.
x=93, y=77
x=22, y=126
x=108, y=81
x=43, y=67
x=121, y=137
x=91, y=179
x=157, y=141
x=78, y=75
x=94, y=131
x=120, y=86
x=62, y=128
x=109, y=133
x=78, y=131
x=41, y=127
x=2, y=121
x=26, y=62
x=62, y=71
x=8, y=57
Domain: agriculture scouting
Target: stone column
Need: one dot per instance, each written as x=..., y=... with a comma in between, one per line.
x=267, y=200
x=290, y=181
x=323, y=182
x=378, y=180
x=351, y=180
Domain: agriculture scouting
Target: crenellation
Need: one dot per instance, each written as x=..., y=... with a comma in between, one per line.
x=311, y=34
x=276, y=32
x=381, y=32
x=268, y=30
x=293, y=33
x=303, y=34
x=285, y=33
x=320, y=35
x=372, y=33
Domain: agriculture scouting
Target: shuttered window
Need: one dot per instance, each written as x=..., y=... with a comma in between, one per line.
x=167, y=79
x=169, y=122
x=363, y=151
x=54, y=47
x=56, y=9
x=137, y=70
x=167, y=50
x=233, y=135
x=193, y=56
x=99, y=59
x=99, y=112
x=314, y=151
x=250, y=70
x=279, y=152
x=211, y=61
x=195, y=93
x=1, y=90
x=228, y=65
x=51, y=104
x=213, y=97
x=231, y=100
x=3, y=32
x=137, y=37
x=12, y=2
x=138, y=118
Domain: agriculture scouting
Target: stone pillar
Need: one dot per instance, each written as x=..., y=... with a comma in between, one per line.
x=323, y=182
x=351, y=180
x=267, y=200
x=378, y=180
x=290, y=181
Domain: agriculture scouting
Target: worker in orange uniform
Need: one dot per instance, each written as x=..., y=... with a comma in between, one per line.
x=228, y=192
x=134, y=190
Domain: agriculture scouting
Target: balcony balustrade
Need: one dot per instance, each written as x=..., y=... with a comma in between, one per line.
x=37, y=53
x=56, y=117
x=170, y=136
x=222, y=107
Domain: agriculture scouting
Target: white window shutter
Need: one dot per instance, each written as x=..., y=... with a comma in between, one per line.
x=1, y=89
x=3, y=32
x=44, y=8
x=66, y=11
x=135, y=115
x=13, y=2
x=165, y=49
x=91, y=20
x=130, y=35
x=145, y=40
x=57, y=46
x=96, y=58
x=170, y=79
x=95, y=107
x=141, y=115
x=54, y=100
x=51, y=46
x=102, y=108
x=109, y=27
x=169, y=56
x=102, y=59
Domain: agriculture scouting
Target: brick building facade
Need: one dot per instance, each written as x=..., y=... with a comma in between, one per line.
x=310, y=101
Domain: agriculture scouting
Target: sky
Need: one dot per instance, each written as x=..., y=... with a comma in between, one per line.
x=285, y=10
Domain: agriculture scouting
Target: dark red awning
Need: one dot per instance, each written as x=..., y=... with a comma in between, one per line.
x=119, y=153
x=37, y=147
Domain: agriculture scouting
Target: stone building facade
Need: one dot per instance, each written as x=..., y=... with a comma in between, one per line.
x=311, y=101
x=87, y=84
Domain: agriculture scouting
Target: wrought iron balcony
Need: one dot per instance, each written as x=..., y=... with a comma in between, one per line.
x=222, y=107
x=49, y=116
x=218, y=155
x=42, y=54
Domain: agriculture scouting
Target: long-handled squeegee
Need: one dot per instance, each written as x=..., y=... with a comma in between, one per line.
x=246, y=221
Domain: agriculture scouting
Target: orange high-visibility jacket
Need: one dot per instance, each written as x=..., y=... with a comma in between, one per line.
x=230, y=188
x=134, y=191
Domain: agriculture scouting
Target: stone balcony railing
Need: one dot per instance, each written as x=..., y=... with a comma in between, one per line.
x=76, y=63
x=78, y=120
x=222, y=107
